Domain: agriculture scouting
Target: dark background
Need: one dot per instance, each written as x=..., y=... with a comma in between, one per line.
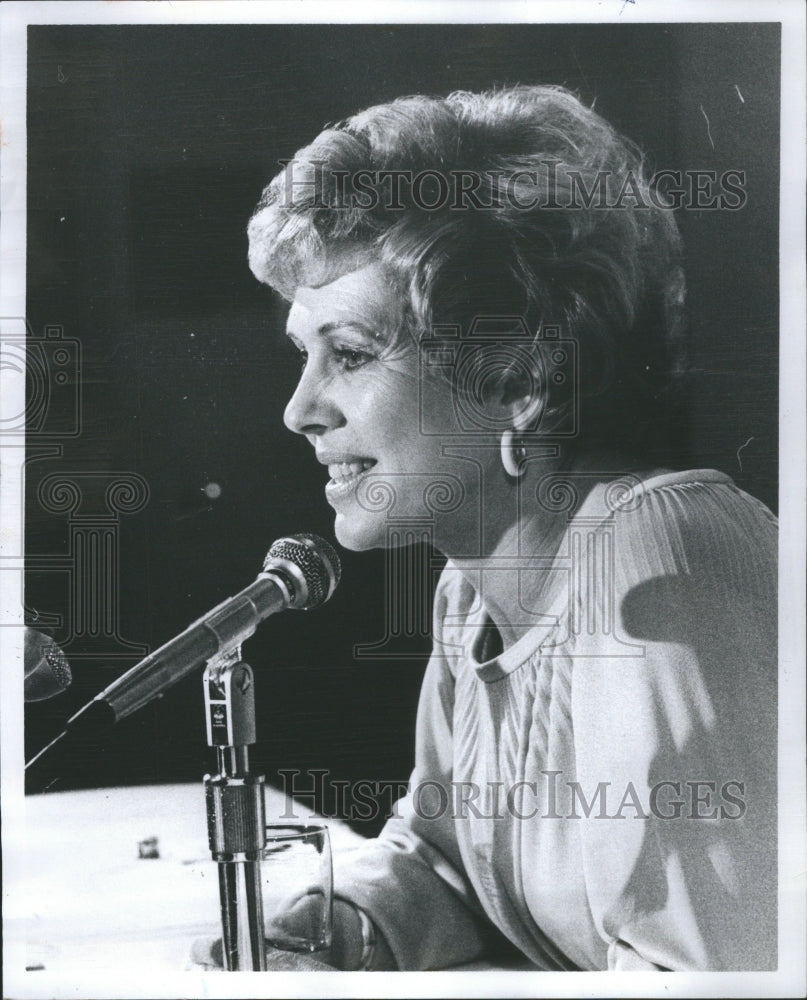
x=148, y=147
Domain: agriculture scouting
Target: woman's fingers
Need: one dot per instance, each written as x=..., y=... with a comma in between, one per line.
x=290, y=961
x=207, y=953
x=297, y=919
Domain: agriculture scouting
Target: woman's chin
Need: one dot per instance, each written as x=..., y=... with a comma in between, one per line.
x=356, y=536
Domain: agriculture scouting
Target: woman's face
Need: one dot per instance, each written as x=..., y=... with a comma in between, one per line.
x=359, y=403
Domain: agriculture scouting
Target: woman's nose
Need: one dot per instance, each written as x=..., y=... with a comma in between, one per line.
x=310, y=409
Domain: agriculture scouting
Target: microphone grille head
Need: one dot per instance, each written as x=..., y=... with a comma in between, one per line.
x=312, y=565
x=47, y=672
x=57, y=662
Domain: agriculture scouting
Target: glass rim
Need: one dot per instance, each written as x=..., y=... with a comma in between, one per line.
x=292, y=831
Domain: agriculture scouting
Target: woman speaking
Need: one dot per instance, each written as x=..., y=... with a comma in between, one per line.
x=487, y=300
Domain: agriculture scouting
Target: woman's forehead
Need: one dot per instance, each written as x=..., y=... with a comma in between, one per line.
x=364, y=298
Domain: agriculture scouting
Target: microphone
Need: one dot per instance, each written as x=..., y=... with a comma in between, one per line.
x=299, y=572
x=47, y=672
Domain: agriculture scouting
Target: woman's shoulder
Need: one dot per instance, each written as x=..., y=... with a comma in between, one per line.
x=681, y=613
x=679, y=545
x=678, y=493
x=696, y=515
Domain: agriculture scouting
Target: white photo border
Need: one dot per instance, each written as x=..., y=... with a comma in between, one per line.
x=789, y=980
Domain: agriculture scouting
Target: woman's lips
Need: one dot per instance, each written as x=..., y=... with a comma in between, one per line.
x=345, y=476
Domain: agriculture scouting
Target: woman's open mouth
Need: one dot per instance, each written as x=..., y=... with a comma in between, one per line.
x=345, y=476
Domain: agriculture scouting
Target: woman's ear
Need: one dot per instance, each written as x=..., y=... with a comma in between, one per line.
x=521, y=401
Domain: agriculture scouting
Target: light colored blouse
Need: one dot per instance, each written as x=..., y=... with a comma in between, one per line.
x=603, y=791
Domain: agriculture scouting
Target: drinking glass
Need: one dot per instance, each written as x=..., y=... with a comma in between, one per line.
x=297, y=880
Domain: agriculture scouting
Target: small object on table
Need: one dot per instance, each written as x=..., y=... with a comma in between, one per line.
x=148, y=848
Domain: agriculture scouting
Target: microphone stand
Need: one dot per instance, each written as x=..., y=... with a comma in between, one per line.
x=236, y=820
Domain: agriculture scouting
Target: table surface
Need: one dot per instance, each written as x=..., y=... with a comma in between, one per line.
x=92, y=904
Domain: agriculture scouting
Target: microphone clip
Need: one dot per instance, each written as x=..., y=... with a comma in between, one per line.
x=229, y=687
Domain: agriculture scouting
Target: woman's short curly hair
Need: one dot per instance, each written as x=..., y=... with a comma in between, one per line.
x=516, y=202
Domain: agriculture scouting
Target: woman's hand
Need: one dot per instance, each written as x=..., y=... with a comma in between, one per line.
x=347, y=951
x=206, y=954
x=348, y=947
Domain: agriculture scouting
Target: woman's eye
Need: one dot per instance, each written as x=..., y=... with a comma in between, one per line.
x=351, y=359
x=302, y=357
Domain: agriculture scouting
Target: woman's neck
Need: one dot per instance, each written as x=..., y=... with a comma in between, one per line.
x=526, y=524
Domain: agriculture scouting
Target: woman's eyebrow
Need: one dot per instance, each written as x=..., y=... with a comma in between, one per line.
x=349, y=324
x=324, y=329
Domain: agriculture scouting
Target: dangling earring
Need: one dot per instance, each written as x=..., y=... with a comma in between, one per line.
x=514, y=454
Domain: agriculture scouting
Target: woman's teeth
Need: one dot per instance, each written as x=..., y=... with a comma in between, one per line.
x=342, y=471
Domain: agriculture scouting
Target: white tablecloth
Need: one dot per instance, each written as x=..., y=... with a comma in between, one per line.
x=92, y=904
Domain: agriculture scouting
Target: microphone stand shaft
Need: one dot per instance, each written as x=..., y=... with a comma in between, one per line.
x=235, y=813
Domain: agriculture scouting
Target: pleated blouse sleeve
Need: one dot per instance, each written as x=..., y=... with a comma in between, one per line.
x=683, y=875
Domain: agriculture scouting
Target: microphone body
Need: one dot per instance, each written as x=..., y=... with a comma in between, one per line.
x=215, y=634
